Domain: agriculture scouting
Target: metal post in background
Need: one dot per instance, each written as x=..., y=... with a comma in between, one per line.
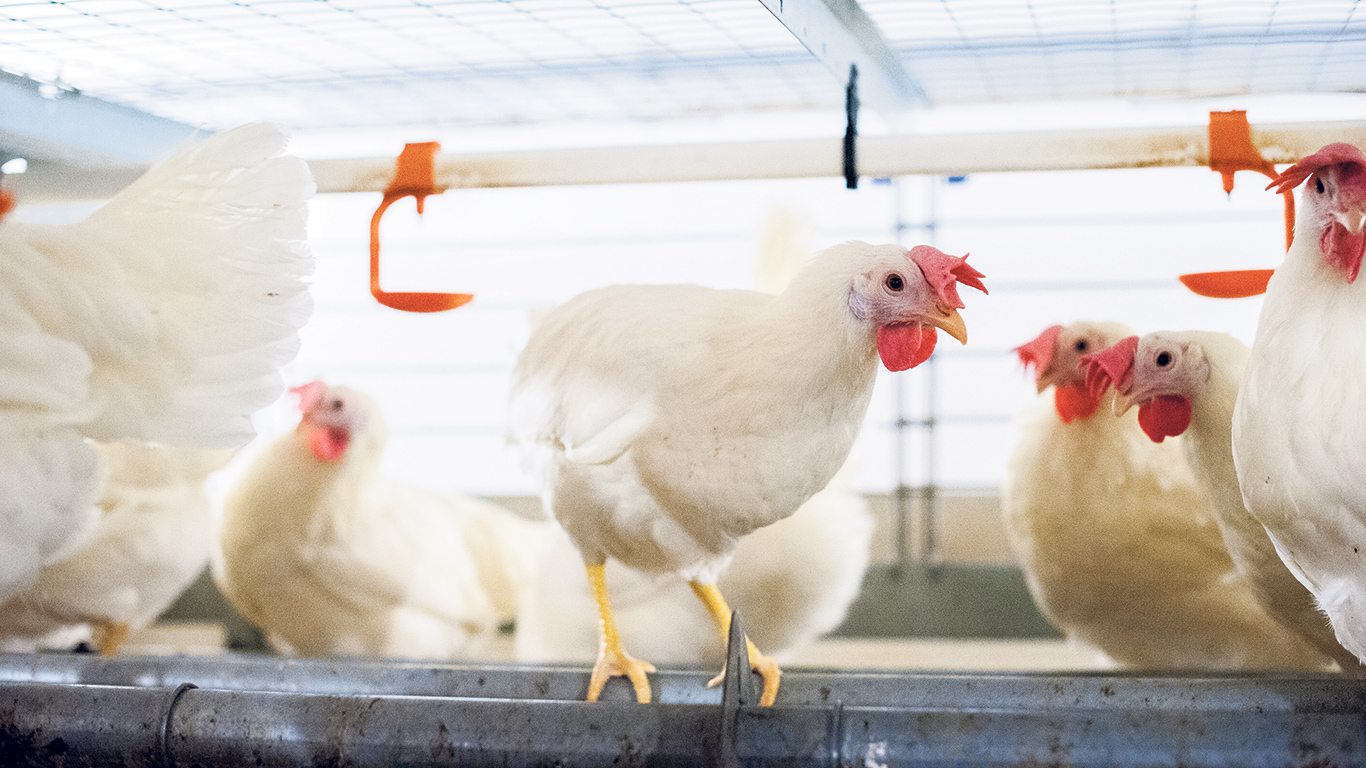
x=929, y=492
x=901, y=491
x=926, y=551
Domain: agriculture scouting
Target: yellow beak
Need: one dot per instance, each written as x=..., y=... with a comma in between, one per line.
x=953, y=325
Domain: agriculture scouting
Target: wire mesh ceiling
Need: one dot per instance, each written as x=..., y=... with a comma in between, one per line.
x=383, y=63
x=1051, y=49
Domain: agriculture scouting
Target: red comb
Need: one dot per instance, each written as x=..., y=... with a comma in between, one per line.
x=309, y=394
x=1333, y=154
x=6, y=203
x=968, y=276
x=944, y=272
x=1113, y=367
x=1039, y=352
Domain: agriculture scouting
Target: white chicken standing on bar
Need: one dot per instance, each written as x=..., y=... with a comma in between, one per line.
x=792, y=581
x=163, y=317
x=1299, y=427
x=668, y=421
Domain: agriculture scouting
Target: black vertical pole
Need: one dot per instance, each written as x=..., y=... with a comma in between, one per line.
x=851, y=128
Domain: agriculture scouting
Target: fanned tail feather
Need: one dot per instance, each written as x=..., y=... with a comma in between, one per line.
x=213, y=240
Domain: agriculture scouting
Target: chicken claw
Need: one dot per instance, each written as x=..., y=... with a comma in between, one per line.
x=613, y=660
x=765, y=666
x=620, y=664
x=721, y=613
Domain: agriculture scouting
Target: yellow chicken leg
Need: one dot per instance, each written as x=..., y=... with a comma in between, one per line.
x=612, y=658
x=108, y=636
x=764, y=665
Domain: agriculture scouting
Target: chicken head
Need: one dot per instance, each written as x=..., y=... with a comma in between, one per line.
x=1055, y=355
x=1333, y=203
x=906, y=296
x=1158, y=373
x=332, y=418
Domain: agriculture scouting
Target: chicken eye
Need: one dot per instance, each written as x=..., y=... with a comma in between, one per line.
x=1318, y=185
x=1164, y=359
x=895, y=283
x=1082, y=345
x=337, y=405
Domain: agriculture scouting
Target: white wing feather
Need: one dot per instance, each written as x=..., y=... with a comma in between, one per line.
x=163, y=317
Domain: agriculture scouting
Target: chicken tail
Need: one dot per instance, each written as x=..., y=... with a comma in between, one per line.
x=213, y=243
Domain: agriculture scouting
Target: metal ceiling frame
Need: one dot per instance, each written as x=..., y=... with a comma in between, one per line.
x=43, y=123
x=841, y=34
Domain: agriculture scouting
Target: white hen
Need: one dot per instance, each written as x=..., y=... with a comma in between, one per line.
x=1114, y=534
x=792, y=581
x=151, y=540
x=162, y=317
x=667, y=422
x=329, y=557
x=1186, y=383
x=1298, y=442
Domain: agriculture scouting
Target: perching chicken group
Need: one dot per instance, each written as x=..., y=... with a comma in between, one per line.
x=1271, y=433
x=1117, y=539
x=1176, y=501
x=1186, y=383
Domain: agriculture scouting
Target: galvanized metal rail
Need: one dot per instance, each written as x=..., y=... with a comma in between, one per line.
x=58, y=709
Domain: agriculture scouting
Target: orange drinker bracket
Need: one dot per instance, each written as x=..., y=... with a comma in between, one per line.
x=1231, y=150
x=416, y=176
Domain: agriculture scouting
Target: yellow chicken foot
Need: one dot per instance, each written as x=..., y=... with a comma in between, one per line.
x=109, y=636
x=764, y=665
x=613, y=660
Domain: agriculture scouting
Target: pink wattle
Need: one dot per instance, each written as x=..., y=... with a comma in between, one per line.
x=1074, y=402
x=1164, y=416
x=1343, y=249
x=328, y=444
x=905, y=345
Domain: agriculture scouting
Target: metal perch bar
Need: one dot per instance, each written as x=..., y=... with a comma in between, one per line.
x=77, y=710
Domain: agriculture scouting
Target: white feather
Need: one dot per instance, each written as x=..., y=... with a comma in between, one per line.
x=1209, y=451
x=1298, y=442
x=163, y=317
x=151, y=539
